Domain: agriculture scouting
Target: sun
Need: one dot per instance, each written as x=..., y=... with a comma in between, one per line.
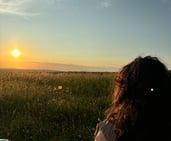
x=16, y=53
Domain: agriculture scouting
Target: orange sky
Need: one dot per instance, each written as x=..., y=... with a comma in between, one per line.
x=93, y=33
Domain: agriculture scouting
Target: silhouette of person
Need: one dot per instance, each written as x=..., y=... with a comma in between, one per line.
x=140, y=109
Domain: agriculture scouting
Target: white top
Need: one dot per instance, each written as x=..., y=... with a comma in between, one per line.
x=105, y=131
x=100, y=136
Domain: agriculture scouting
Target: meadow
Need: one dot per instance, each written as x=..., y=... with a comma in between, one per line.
x=53, y=106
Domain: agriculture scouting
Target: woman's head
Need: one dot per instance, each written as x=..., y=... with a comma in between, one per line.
x=141, y=78
x=140, y=97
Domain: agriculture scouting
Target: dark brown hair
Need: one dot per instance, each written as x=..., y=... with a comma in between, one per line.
x=141, y=105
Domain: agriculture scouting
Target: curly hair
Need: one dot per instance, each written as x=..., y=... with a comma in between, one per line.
x=140, y=109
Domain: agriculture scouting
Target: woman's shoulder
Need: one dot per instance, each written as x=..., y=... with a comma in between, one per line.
x=105, y=128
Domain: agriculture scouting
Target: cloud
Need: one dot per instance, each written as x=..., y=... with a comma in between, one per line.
x=15, y=7
x=105, y=3
x=56, y=67
x=53, y=1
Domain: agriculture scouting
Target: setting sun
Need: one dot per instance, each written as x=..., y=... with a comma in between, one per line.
x=16, y=53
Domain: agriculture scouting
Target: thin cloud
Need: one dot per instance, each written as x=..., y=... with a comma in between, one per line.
x=15, y=7
x=53, y=1
x=105, y=3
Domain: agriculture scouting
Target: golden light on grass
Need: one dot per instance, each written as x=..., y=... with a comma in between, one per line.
x=16, y=53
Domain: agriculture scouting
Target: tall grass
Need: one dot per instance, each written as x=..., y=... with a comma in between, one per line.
x=39, y=106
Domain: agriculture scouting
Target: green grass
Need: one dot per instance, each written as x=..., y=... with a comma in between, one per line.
x=38, y=106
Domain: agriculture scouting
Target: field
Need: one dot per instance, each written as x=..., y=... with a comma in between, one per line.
x=52, y=106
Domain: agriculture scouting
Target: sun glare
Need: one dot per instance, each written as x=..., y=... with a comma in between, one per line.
x=15, y=53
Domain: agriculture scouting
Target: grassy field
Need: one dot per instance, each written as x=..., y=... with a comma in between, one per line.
x=49, y=106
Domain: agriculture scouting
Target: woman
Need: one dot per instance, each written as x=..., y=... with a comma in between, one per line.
x=140, y=110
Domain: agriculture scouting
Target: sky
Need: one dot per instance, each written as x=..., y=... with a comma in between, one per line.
x=83, y=35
